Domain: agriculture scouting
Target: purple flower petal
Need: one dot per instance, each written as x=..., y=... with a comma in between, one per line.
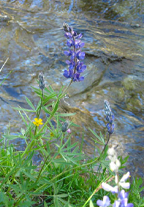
x=70, y=43
x=116, y=204
x=108, y=187
x=73, y=55
x=130, y=205
x=110, y=128
x=105, y=202
x=68, y=62
x=68, y=74
x=123, y=194
x=68, y=53
x=78, y=44
x=80, y=67
x=77, y=77
x=124, y=203
x=80, y=55
x=68, y=35
x=125, y=185
x=79, y=36
x=81, y=78
x=81, y=44
x=99, y=202
x=71, y=64
x=125, y=177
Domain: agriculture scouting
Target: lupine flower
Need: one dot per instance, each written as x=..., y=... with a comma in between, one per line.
x=37, y=122
x=41, y=81
x=108, y=187
x=122, y=200
x=109, y=117
x=124, y=203
x=104, y=203
x=76, y=67
x=115, y=163
x=122, y=183
x=112, y=155
x=123, y=194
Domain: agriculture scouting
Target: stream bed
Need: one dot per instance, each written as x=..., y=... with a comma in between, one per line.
x=31, y=36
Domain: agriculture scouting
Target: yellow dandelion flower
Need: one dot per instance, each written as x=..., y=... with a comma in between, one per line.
x=52, y=134
x=38, y=122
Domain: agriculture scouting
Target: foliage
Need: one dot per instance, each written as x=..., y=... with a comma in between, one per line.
x=64, y=176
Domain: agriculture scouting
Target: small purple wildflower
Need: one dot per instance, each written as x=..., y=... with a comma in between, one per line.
x=69, y=131
x=123, y=194
x=109, y=117
x=124, y=203
x=104, y=203
x=76, y=67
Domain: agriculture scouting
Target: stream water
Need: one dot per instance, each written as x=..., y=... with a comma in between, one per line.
x=113, y=32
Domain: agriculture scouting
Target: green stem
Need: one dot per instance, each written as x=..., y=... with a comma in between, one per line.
x=42, y=168
x=64, y=92
x=95, y=191
x=106, y=144
x=49, y=118
x=29, y=147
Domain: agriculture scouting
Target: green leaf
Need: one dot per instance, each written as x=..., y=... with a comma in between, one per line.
x=46, y=110
x=100, y=138
x=47, y=98
x=30, y=103
x=45, y=204
x=37, y=91
x=65, y=114
x=91, y=204
x=22, y=109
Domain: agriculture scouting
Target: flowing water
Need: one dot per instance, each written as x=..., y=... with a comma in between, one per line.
x=113, y=32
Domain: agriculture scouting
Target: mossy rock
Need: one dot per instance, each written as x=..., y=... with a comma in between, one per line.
x=134, y=104
x=129, y=83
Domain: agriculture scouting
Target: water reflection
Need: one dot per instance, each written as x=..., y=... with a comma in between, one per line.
x=32, y=38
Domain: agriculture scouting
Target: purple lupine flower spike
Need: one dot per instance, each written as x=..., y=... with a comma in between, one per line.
x=109, y=117
x=76, y=67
